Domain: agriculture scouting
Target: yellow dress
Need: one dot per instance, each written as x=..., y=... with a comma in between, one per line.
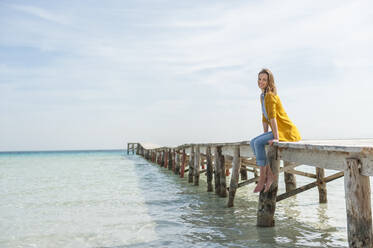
x=287, y=131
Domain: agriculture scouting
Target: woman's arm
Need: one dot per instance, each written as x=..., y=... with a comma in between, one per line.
x=265, y=126
x=274, y=131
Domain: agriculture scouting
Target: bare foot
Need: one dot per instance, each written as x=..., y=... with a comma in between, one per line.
x=259, y=187
x=268, y=184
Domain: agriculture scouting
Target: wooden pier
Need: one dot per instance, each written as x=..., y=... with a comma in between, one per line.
x=352, y=158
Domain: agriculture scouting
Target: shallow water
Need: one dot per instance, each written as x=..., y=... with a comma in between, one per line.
x=110, y=199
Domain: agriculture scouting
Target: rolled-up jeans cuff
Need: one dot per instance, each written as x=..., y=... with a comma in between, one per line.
x=261, y=162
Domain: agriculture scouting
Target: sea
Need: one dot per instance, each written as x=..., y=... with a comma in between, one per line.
x=111, y=199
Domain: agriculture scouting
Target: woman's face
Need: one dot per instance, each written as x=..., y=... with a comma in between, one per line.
x=262, y=81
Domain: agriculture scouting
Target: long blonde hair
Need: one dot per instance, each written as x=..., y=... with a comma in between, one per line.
x=271, y=87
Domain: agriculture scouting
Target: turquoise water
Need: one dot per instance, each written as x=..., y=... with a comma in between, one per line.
x=110, y=199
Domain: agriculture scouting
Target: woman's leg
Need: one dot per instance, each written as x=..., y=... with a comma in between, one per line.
x=252, y=142
x=269, y=178
x=261, y=159
x=262, y=179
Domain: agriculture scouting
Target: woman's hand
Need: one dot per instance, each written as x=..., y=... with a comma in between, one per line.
x=270, y=142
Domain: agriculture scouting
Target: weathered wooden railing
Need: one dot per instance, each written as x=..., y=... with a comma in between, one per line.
x=353, y=158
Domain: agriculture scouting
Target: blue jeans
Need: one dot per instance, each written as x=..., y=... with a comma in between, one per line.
x=258, y=144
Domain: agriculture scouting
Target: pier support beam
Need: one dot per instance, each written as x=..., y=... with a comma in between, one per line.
x=321, y=185
x=267, y=201
x=217, y=171
x=221, y=164
x=290, y=179
x=235, y=176
x=191, y=165
x=358, y=205
x=196, y=166
x=209, y=169
x=183, y=162
x=170, y=159
x=177, y=162
x=243, y=172
x=174, y=161
x=163, y=158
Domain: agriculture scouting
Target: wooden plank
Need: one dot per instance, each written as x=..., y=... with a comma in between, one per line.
x=323, y=154
x=302, y=173
x=252, y=180
x=358, y=206
x=308, y=186
x=326, y=159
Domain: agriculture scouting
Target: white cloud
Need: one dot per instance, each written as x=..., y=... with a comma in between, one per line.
x=174, y=75
x=41, y=13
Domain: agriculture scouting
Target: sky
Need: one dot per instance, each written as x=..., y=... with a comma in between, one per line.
x=97, y=74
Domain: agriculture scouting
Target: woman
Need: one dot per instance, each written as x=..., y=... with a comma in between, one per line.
x=273, y=115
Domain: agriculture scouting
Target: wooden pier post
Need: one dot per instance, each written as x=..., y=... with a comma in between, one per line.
x=321, y=185
x=177, y=163
x=216, y=171
x=170, y=159
x=163, y=158
x=173, y=160
x=235, y=175
x=243, y=172
x=267, y=201
x=191, y=165
x=128, y=148
x=290, y=179
x=209, y=169
x=223, y=183
x=196, y=165
x=183, y=162
x=358, y=205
